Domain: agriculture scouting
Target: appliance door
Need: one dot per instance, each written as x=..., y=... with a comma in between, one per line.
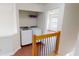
x=36, y=31
x=26, y=36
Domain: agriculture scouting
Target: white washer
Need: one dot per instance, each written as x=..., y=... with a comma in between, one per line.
x=26, y=37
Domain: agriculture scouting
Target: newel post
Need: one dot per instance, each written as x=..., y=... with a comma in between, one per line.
x=57, y=43
x=34, y=50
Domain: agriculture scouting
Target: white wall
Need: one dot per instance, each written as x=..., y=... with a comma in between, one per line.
x=9, y=45
x=9, y=41
x=7, y=20
x=40, y=21
x=43, y=17
x=25, y=20
x=69, y=28
x=50, y=6
x=30, y=6
x=59, y=6
x=76, y=48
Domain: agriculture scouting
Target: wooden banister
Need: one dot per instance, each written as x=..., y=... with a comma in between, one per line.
x=43, y=36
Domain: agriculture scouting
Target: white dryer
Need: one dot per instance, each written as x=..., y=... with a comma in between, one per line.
x=36, y=31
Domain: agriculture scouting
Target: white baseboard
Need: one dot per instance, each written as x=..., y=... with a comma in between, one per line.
x=12, y=53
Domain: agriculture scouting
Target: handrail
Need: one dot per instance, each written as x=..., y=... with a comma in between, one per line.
x=41, y=37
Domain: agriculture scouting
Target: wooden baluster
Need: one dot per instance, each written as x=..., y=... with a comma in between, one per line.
x=40, y=48
x=48, y=46
x=43, y=47
x=53, y=44
x=34, y=47
x=57, y=43
x=37, y=43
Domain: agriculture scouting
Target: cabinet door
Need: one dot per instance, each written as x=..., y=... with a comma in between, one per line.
x=26, y=37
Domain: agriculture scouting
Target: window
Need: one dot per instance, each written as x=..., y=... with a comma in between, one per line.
x=52, y=22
